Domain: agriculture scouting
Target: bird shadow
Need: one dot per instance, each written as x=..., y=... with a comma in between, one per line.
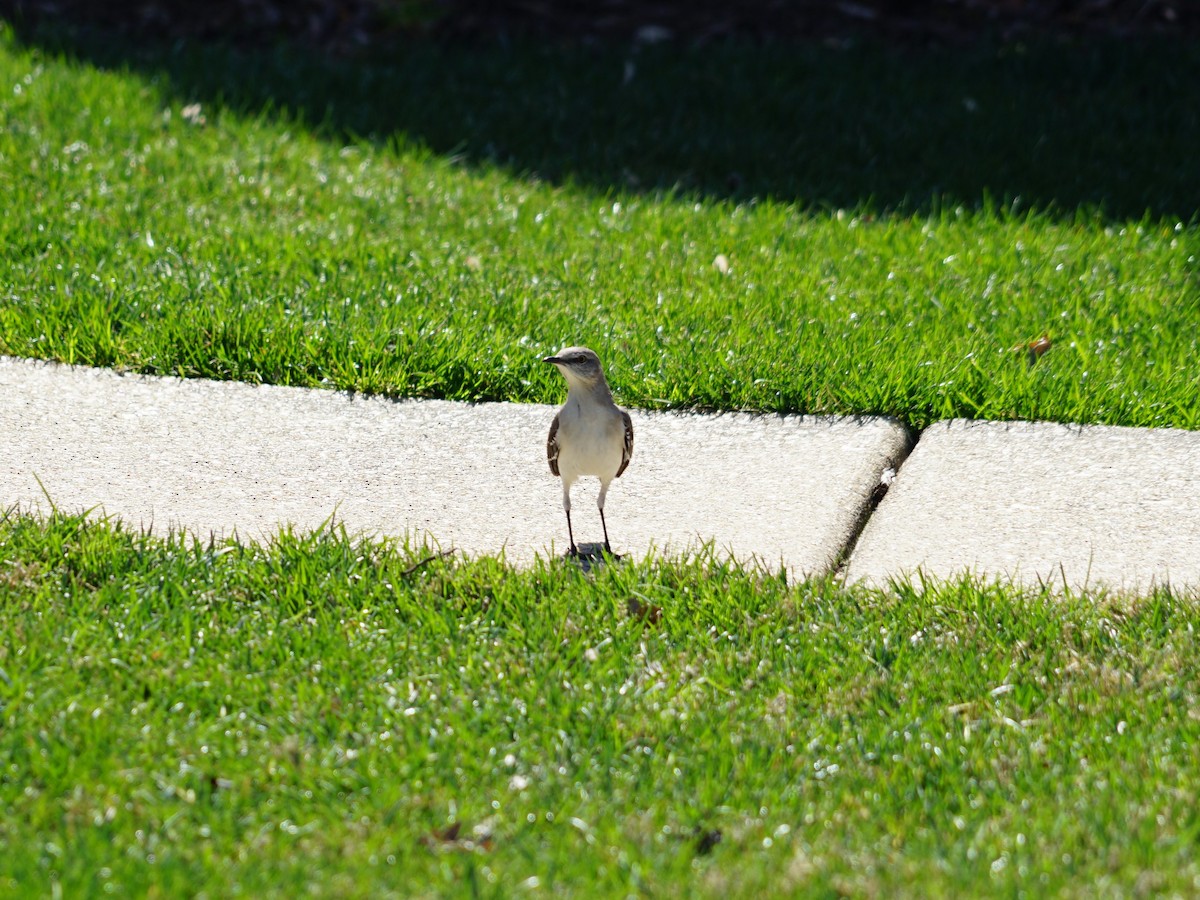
x=591, y=557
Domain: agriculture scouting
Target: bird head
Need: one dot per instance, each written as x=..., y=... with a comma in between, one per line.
x=579, y=365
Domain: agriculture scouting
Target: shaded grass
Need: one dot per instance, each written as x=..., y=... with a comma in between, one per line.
x=243, y=241
x=312, y=716
x=1061, y=124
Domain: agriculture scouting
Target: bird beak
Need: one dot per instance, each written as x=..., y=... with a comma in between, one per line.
x=552, y=359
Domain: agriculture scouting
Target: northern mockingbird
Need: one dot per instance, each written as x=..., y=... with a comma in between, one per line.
x=590, y=435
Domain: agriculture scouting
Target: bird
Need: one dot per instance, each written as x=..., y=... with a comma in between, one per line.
x=590, y=435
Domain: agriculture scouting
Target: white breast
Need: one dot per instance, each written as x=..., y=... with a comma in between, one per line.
x=591, y=444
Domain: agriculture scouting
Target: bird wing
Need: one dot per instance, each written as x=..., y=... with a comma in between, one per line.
x=552, y=446
x=627, y=450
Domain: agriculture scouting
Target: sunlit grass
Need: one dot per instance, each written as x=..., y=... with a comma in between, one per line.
x=329, y=716
x=317, y=714
x=143, y=231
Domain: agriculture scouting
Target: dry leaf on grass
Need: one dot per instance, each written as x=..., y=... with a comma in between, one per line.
x=651, y=615
x=452, y=838
x=1034, y=350
x=706, y=840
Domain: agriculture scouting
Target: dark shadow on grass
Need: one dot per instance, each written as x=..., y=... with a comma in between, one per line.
x=1059, y=125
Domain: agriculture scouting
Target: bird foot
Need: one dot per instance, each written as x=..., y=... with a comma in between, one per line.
x=591, y=553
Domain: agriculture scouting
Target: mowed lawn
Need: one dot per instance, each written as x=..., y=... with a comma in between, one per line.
x=854, y=230
x=321, y=718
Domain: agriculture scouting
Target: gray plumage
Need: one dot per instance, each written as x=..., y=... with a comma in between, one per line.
x=590, y=435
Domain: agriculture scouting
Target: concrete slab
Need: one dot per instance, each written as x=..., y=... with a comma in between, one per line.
x=219, y=457
x=1038, y=503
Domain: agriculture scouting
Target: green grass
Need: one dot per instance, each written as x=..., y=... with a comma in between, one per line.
x=432, y=223
x=311, y=717
x=314, y=716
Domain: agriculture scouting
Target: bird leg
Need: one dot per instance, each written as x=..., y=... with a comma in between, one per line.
x=607, y=546
x=573, y=551
x=604, y=525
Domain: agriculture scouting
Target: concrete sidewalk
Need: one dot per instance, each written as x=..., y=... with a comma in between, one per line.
x=1040, y=503
x=225, y=457
x=1029, y=502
